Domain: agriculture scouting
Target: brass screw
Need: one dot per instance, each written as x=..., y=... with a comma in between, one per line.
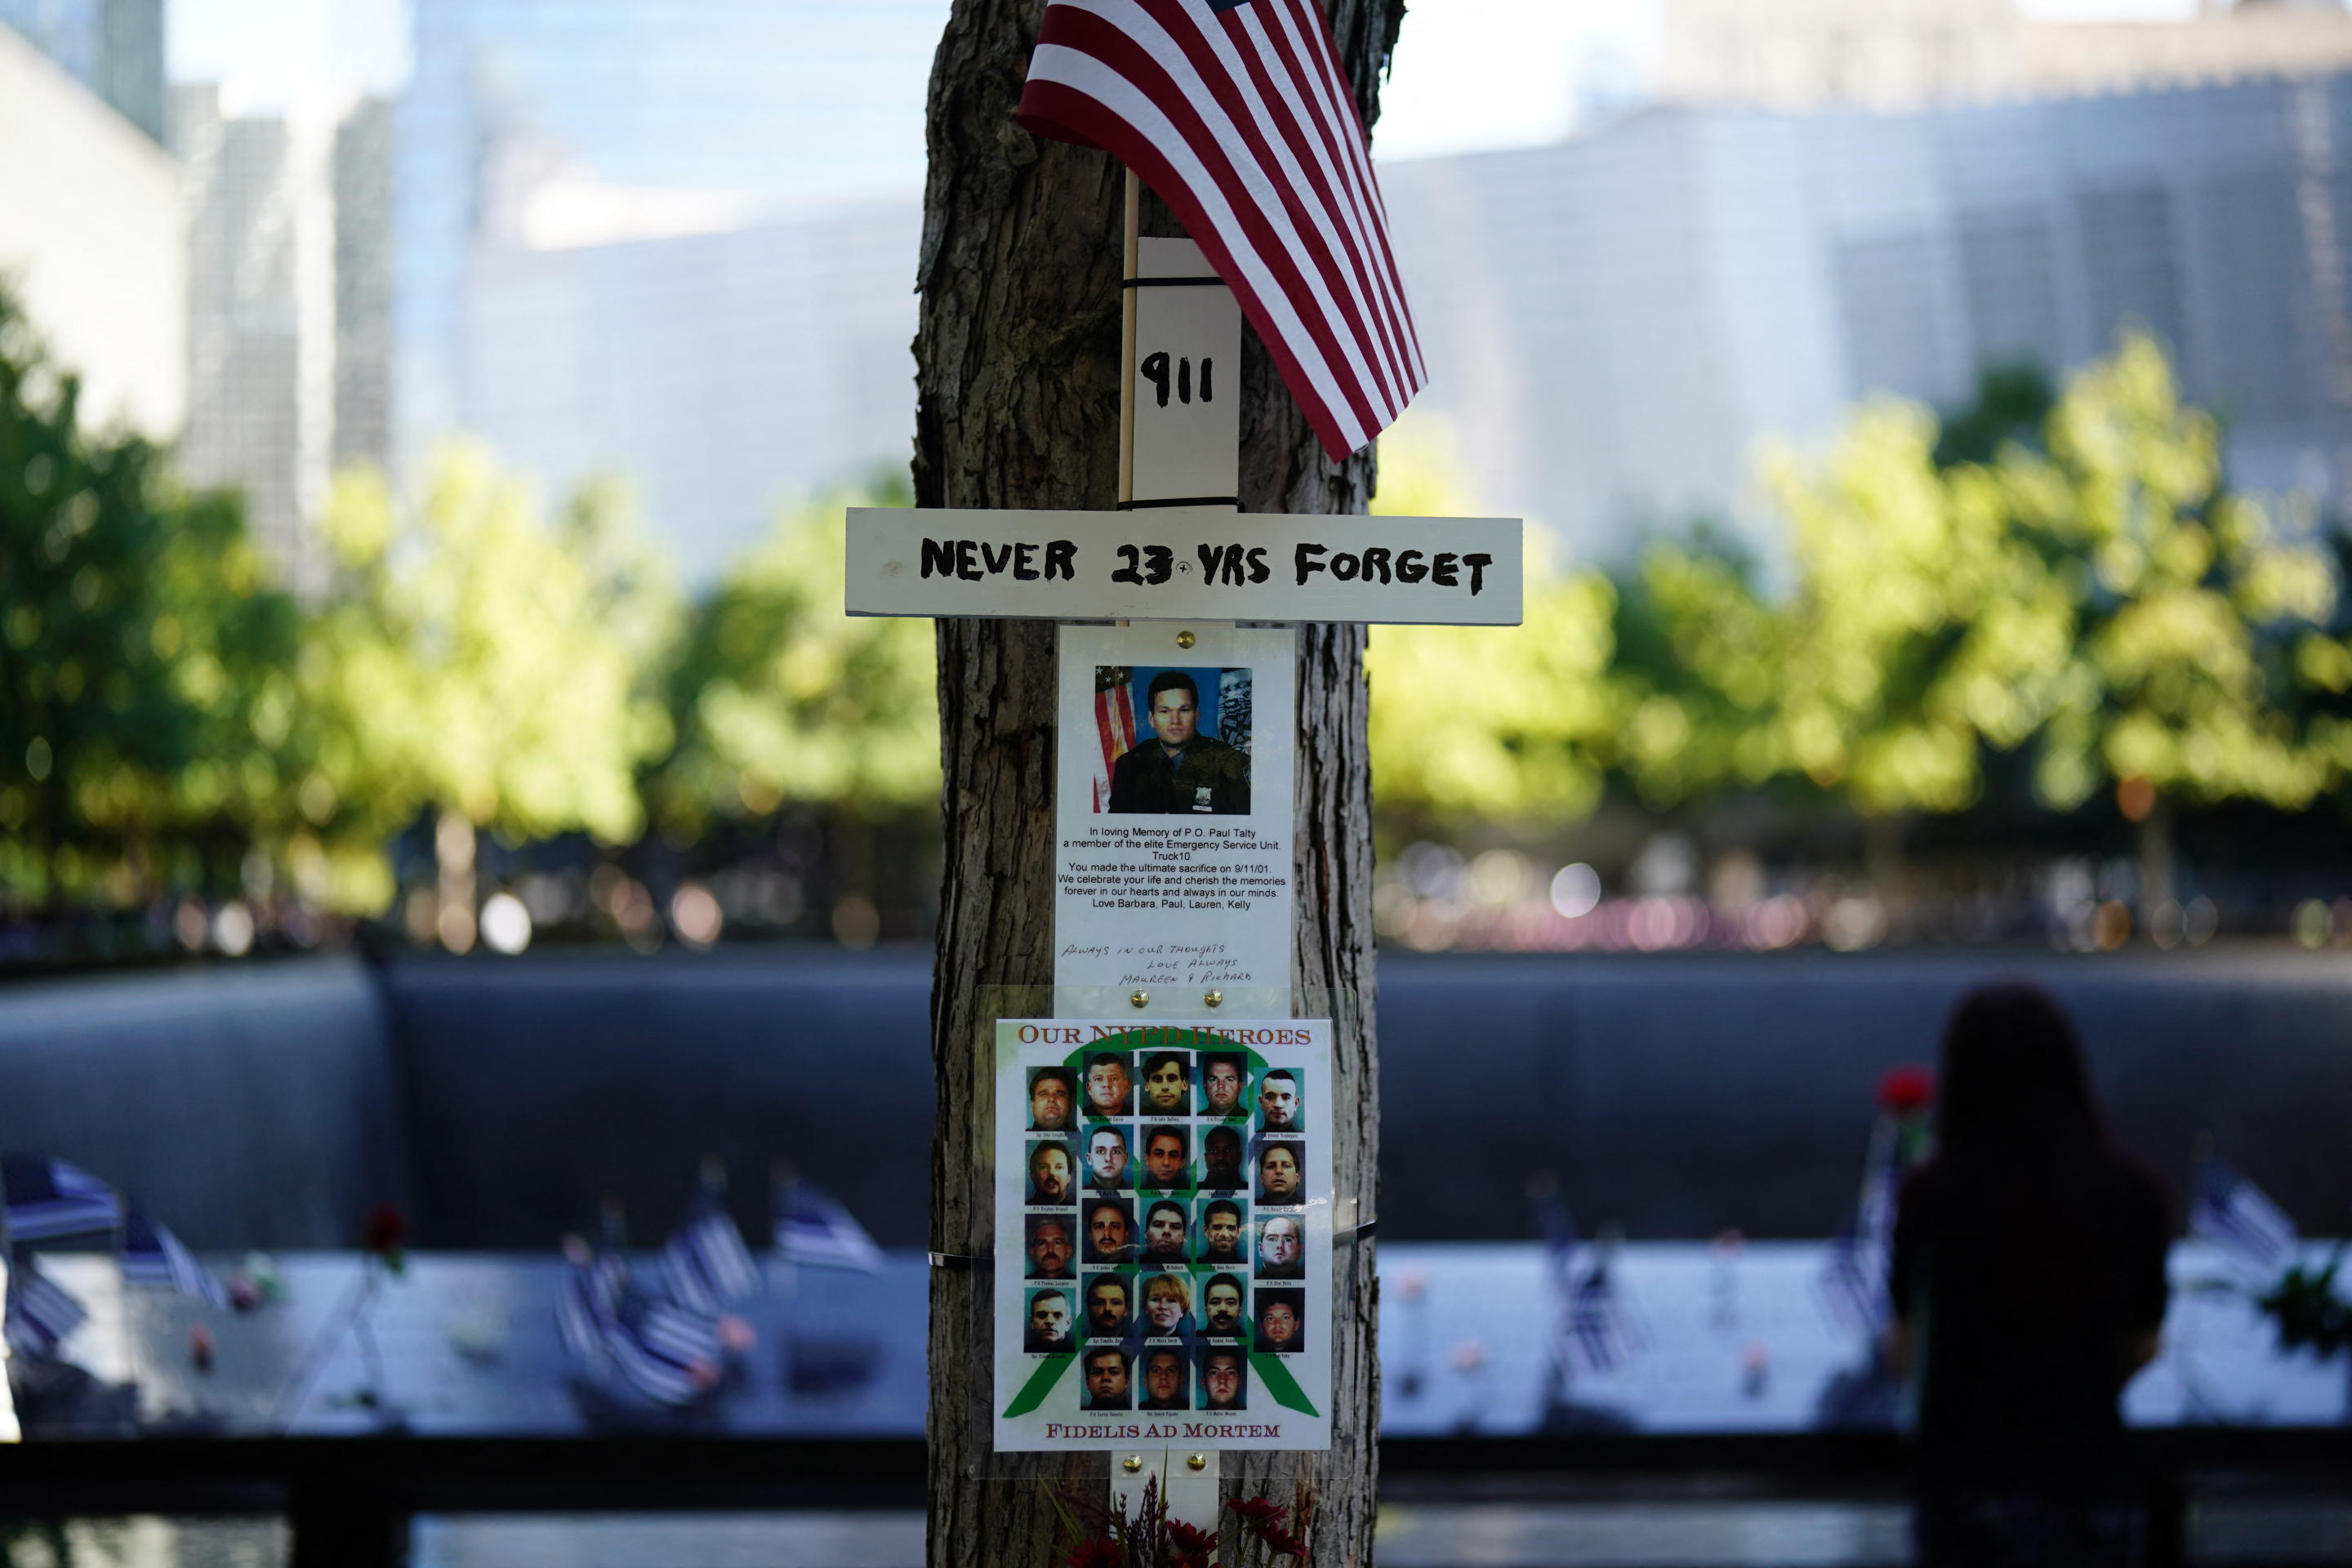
x=1185, y=639
x=1198, y=1461
x=1215, y=998
x=1131, y=1464
x=1139, y=999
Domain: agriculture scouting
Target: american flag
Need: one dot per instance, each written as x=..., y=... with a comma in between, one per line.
x=153, y=1256
x=49, y=1198
x=2238, y=1217
x=708, y=1264
x=1236, y=114
x=811, y=1227
x=41, y=1313
x=667, y=1353
x=1114, y=726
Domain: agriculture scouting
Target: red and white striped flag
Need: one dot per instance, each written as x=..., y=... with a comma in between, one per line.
x=1236, y=115
x=1114, y=726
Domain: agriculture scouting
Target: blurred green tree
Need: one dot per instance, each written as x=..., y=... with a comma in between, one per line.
x=145, y=659
x=1472, y=724
x=471, y=660
x=776, y=697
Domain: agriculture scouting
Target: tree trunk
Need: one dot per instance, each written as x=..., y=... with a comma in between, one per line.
x=1017, y=374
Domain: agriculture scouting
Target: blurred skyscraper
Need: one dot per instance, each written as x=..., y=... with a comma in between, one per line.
x=1898, y=54
x=1614, y=322
x=675, y=243
x=90, y=225
x=114, y=47
x=261, y=317
x=362, y=190
x=288, y=279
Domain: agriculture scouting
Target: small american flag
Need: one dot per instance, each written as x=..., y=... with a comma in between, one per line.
x=49, y=1198
x=1236, y=114
x=153, y=1256
x=41, y=1314
x=1114, y=726
x=708, y=1264
x=811, y=1227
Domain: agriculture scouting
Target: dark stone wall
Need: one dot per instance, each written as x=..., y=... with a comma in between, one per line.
x=500, y=1099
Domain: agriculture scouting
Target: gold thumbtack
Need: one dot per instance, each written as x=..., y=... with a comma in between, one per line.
x=1139, y=999
x=1185, y=639
x=1131, y=1464
x=1215, y=998
x=1198, y=1461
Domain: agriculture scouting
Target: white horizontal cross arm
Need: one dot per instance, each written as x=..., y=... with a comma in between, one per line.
x=1185, y=563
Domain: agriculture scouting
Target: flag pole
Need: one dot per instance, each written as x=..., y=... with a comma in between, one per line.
x=1130, y=264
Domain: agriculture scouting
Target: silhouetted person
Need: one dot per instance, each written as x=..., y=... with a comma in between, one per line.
x=2028, y=1283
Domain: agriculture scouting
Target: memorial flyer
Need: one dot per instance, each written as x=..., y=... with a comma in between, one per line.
x=1173, y=814
x=1164, y=1234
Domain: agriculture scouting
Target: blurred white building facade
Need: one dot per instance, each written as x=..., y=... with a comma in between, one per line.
x=1614, y=323
x=90, y=229
x=672, y=244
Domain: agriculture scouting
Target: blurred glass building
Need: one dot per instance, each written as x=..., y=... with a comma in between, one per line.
x=113, y=47
x=672, y=243
x=1614, y=322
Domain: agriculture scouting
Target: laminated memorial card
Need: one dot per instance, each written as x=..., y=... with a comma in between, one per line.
x=1164, y=1234
x=1172, y=871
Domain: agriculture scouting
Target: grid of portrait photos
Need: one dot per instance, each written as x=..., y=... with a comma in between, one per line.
x=1168, y=1222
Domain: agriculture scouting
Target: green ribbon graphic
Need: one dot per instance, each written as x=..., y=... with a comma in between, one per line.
x=1041, y=1384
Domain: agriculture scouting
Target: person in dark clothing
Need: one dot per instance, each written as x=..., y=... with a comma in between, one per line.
x=2028, y=1279
x=1180, y=769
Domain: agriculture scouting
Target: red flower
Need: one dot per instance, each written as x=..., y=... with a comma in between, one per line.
x=387, y=1235
x=1281, y=1543
x=1905, y=1091
x=1102, y=1552
x=1193, y=1546
x=1257, y=1512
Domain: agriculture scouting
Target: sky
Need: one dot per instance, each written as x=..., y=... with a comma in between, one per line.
x=1452, y=90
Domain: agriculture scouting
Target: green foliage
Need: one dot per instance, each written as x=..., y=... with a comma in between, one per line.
x=144, y=657
x=778, y=696
x=1471, y=721
x=471, y=657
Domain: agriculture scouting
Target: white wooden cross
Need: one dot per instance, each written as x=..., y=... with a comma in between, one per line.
x=1179, y=550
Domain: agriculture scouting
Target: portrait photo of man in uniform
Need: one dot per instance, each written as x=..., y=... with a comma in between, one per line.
x=1181, y=771
x=1107, y=1158
x=1051, y=1247
x=1049, y=1321
x=1166, y=1084
x=1281, y=1321
x=1108, y=1085
x=1224, y=1384
x=1220, y=1159
x=1164, y=1232
x=1106, y=1371
x=1224, y=1307
x=1281, y=1250
x=1221, y=1232
x=1051, y=1180
x=1050, y=1101
x=1110, y=1308
x=1278, y=1102
x=1167, y=1161
x=1222, y=1078
x=1281, y=1174
x=1110, y=1231
x=1164, y=1381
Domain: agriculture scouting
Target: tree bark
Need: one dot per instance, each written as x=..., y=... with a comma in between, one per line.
x=1017, y=362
